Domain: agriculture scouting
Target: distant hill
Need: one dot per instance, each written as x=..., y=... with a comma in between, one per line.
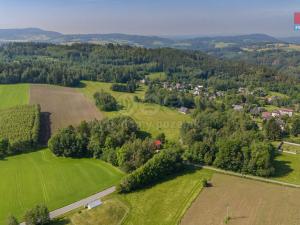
x=199, y=43
x=27, y=34
x=292, y=40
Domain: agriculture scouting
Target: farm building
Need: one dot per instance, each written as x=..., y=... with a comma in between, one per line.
x=183, y=110
x=93, y=204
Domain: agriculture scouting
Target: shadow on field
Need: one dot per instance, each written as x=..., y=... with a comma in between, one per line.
x=45, y=131
x=188, y=169
x=282, y=168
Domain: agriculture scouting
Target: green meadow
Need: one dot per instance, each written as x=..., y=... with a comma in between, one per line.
x=13, y=95
x=163, y=204
x=41, y=177
x=287, y=168
x=151, y=118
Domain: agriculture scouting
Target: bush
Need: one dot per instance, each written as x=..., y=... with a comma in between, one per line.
x=161, y=165
x=105, y=101
x=12, y=221
x=37, y=216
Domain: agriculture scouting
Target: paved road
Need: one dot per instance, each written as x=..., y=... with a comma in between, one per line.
x=83, y=202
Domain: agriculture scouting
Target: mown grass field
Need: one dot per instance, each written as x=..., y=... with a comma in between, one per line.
x=13, y=95
x=151, y=118
x=162, y=204
x=40, y=177
x=287, y=168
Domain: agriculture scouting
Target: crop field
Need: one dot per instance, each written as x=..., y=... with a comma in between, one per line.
x=248, y=202
x=151, y=118
x=14, y=95
x=40, y=177
x=66, y=106
x=163, y=204
x=20, y=125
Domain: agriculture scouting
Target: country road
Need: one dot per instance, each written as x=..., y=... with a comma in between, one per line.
x=78, y=204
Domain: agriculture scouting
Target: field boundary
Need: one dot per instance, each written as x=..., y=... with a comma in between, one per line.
x=251, y=177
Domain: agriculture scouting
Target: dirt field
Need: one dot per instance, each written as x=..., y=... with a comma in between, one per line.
x=63, y=106
x=249, y=203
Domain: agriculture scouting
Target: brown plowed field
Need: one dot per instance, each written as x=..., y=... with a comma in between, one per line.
x=63, y=106
x=249, y=202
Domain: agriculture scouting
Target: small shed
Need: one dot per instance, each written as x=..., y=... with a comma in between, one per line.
x=94, y=204
x=183, y=110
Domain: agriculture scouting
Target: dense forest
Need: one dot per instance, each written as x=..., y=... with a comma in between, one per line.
x=68, y=64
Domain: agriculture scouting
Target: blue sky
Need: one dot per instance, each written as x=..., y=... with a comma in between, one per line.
x=156, y=17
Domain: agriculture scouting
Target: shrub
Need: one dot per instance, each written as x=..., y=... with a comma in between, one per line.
x=39, y=215
x=12, y=221
x=105, y=101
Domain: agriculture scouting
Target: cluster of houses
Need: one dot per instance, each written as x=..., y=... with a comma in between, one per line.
x=277, y=113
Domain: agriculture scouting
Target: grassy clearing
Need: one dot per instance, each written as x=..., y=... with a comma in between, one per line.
x=158, y=76
x=13, y=95
x=40, y=177
x=278, y=94
x=162, y=204
x=151, y=118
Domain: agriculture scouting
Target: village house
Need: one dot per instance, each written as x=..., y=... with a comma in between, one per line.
x=284, y=112
x=266, y=115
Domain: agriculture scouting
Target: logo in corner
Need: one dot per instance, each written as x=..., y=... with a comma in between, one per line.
x=297, y=21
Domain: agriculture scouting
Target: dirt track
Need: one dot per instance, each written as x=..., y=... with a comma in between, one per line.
x=249, y=203
x=64, y=106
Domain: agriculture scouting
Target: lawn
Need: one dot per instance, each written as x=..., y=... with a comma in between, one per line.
x=13, y=95
x=41, y=177
x=151, y=118
x=162, y=204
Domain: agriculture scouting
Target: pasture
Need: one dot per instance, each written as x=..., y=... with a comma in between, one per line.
x=66, y=106
x=151, y=118
x=13, y=95
x=163, y=204
x=40, y=177
x=248, y=202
